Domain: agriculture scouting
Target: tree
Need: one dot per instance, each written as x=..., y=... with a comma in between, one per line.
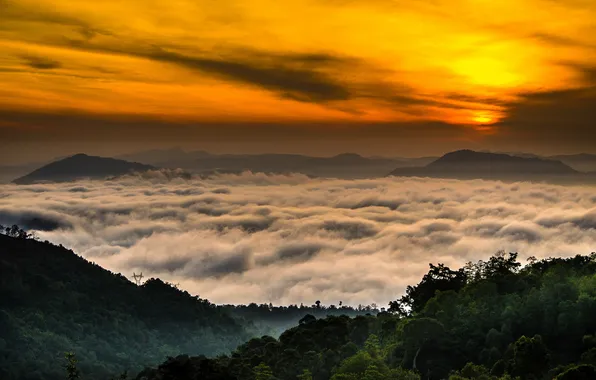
x=530, y=357
x=373, y=373
x=72, y=372
x=438, y=278
x=306, y=375
x=122, y=376
x=373, y=346
x=581, y=372
x=308, y=318
x=262, y=372
x=403, y=374
x=416, y=333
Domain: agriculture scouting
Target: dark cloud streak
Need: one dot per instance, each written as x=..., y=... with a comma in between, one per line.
x=294, y=82
x=41, y=63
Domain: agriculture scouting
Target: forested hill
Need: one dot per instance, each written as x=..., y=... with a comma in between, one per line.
x=53, y=301
x=493, y=320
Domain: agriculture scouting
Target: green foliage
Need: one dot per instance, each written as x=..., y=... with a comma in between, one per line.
x=305, y=375
x=263, y=372
x=403, y=374
x=504, y=322
x=72, y=372
x=530, y=357
x=52, y=301
x=581, y=372
x=438, y=279
x=491, y=320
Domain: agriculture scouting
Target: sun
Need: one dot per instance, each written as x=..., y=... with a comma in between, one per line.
x=483, y=119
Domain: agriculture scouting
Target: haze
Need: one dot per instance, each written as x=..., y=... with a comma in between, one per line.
x=291, y=239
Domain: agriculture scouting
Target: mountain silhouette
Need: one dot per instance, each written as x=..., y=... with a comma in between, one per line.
x=468, y=164
x=345, y=165
x=583, y=162
x=81, y=166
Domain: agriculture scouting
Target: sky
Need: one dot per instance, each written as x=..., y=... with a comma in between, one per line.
x=293, y=239
x=383, y=77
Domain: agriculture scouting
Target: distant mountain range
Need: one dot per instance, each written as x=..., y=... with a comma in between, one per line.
x=81, y=166
x=10, y=172
x=581, y=162
x=463, y=164
x=347, y=165
x=468, y=164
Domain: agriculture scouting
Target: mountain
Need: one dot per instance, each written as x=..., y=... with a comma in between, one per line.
x=161, y=157
x=10, y=172
x=346, y=165
x=81, y=166
x=468, y=164
x=53, y=301
x=581, y=162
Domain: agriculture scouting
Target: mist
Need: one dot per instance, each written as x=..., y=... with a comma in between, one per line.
x=293, y=239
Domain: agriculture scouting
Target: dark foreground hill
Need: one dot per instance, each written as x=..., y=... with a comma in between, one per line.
x=53, y=301
x=82, y=166
x=467, y=164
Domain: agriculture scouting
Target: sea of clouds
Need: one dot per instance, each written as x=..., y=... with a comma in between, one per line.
x=292, y=239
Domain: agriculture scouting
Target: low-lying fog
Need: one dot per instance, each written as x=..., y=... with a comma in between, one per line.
x=291, y=239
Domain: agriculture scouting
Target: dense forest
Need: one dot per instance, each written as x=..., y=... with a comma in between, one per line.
x=53, y=301
x=494, y=319
x=491, y=320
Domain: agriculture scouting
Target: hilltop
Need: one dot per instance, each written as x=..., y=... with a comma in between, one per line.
x=468, y=164
x=81, y=166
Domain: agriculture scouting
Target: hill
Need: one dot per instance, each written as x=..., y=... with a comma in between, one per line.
x=346, y=165
x=490, y=320
x=81, y=166
x=581, y=162
x=53, y=301
x=10, y=172
x=467, y=164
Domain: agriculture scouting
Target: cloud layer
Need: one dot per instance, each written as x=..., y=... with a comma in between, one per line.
x=291, y=239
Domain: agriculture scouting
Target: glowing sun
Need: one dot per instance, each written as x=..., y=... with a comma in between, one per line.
x=484, y=117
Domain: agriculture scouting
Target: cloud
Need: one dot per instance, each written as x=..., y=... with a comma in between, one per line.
x=351, y=229
x=286, y=75
x=295, y=252
x=521, y=231
x=559, y=40
x=292, y=239
x=41, y=63
x=557, y=118
x=33, y=220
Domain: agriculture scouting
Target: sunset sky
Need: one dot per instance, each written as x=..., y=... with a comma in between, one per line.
x=386, y=77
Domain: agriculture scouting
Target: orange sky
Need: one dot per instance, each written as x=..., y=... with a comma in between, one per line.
x=461, y=62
